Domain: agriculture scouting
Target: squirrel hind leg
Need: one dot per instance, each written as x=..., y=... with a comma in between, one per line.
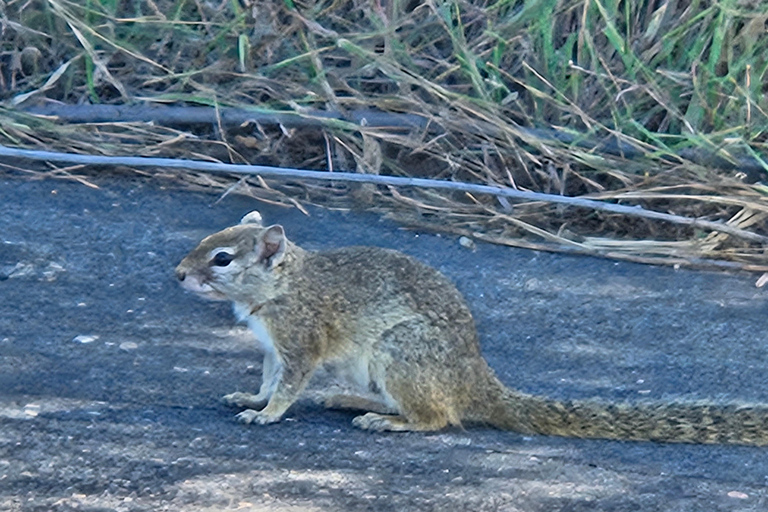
x=394, y=423
x=414, y=409
x=355, y=403
x=411, y=374
x=380, y=416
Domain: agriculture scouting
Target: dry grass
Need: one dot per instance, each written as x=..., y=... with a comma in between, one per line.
x=653, y=103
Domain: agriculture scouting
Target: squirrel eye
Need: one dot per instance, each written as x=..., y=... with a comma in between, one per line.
x=222, y=259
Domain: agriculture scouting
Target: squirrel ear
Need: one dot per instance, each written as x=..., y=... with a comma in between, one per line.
x=271, y=246
x=253, y=217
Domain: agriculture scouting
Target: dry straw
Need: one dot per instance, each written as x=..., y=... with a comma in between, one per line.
x=657, y=105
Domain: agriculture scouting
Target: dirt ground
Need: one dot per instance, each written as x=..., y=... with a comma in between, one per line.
x=111, y=375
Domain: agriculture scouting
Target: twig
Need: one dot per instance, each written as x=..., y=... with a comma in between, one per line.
x=283, y=173
x=173, y=115
x=697, y=263
x=752, y=165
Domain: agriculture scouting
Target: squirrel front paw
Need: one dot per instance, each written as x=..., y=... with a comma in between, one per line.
x=240, y=399
x=249, y=416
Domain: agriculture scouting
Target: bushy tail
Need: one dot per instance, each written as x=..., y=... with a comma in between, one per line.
x=683, y=422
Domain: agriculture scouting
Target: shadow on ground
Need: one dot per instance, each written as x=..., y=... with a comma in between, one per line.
x=110, y=375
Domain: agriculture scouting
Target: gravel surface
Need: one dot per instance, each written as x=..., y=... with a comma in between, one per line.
x=111, y=375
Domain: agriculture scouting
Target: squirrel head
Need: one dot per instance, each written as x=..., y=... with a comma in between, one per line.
x=242, y=263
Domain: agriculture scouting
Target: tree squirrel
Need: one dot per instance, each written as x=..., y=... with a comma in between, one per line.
x=400, y=331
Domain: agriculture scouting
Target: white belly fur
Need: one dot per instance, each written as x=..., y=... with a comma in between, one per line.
x=256, y=325
x=272, y=366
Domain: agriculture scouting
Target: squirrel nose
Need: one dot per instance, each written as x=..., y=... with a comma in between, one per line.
x=180, y=274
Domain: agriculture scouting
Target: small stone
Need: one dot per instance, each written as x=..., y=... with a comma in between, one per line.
x=32, y=410
x=467, y=243
x=52, y=271
x=200, y=443
x=21, y=270
x=85, y=338
x=738, y=495
x=532, y=284
x=128, y=345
